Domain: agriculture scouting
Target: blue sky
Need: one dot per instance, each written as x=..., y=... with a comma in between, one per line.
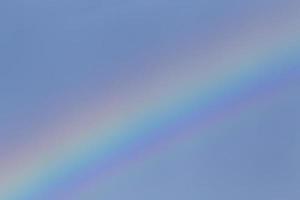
x=57, y=56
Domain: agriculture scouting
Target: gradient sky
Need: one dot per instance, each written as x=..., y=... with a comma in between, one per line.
x=149, y=99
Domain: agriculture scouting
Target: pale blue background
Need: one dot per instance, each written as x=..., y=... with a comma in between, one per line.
x=52, y=50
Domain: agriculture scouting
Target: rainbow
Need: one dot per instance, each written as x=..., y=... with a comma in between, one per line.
x=130, y=125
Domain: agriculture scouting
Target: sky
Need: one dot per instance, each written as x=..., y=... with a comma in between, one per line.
x=131, y=100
